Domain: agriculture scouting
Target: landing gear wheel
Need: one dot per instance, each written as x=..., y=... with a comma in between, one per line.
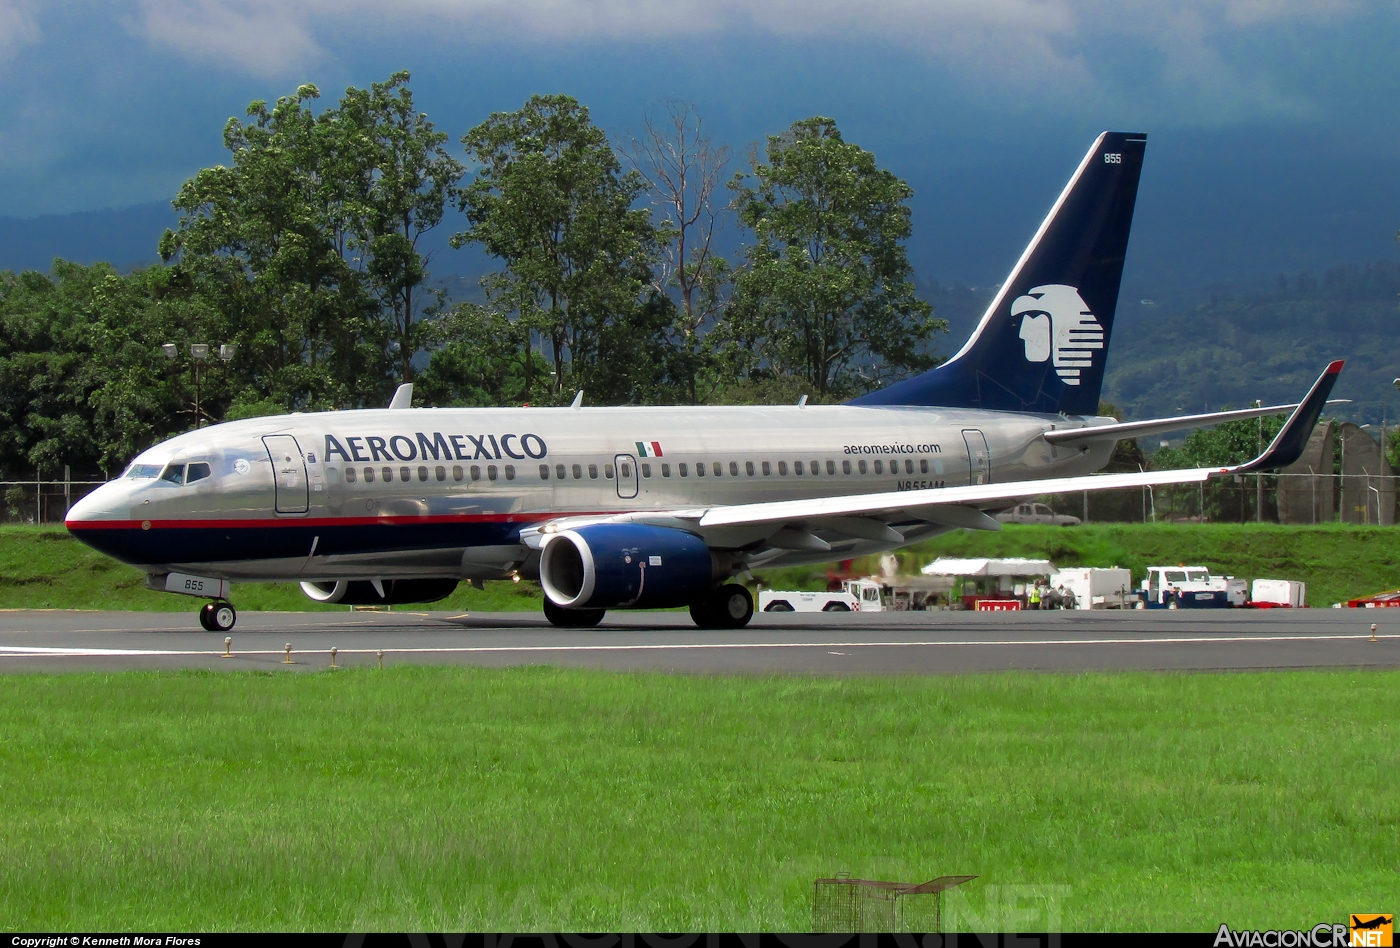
x=728, y=607
x=562, y=618
x=218, y=616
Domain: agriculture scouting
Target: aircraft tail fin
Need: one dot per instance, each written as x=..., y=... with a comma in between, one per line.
x=1042, y=343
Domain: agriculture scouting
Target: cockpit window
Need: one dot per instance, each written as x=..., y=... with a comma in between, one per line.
x=143, y=470
x=175, y=474
x=197, y=471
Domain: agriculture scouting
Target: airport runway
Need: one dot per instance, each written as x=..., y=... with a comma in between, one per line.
x=873, y=643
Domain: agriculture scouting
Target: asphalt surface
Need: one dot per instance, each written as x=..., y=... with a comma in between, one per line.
x=870, y=643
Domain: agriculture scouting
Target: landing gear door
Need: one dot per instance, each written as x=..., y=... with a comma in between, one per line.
x=626, y=476
x=979, y=457
x=288, y=472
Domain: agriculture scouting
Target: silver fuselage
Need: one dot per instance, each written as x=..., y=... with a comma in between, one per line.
x=386, y=493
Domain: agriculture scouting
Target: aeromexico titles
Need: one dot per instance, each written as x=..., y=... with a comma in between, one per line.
x=639, y=507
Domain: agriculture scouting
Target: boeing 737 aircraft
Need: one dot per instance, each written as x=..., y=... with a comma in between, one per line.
x=627, y=508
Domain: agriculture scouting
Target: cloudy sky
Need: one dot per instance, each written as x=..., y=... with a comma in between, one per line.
x=1273, y=136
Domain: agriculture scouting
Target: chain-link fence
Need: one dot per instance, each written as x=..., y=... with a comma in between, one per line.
x=42, y=501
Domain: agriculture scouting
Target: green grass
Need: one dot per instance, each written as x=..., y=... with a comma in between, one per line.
x=468, y=799
x=45, y=568
x=1337, y=561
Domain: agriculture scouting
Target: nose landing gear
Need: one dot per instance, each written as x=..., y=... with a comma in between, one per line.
x=218, y=616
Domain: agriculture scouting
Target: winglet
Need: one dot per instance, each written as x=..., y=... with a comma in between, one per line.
x=1288, y=444
x=578, y=400
x=403, y=396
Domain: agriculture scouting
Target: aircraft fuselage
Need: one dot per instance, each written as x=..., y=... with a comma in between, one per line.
x=444, y=493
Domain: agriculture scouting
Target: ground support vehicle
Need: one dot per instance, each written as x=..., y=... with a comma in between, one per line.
x=855, y=595
x=1191, y=587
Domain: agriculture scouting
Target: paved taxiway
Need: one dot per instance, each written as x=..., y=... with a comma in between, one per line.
x=873, y=643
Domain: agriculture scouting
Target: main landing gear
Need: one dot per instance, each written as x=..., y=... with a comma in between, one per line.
x=728, y=607
x=218, y=616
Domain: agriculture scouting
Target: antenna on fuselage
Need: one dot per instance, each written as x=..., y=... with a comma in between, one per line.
x=403, y=396
x=578, y=400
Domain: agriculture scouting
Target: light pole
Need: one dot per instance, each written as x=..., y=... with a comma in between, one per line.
x=199, y=357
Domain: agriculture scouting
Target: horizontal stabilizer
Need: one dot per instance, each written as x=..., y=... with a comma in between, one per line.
x=1137, y=429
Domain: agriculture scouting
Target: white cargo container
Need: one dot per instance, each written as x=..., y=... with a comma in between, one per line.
x=1279, y=592
x=1098, y=588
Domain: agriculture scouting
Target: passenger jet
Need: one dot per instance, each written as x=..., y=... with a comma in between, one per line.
x=646, y=507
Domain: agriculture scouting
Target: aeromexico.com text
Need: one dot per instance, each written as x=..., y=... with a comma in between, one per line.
x=437, y=446
x=894, y=449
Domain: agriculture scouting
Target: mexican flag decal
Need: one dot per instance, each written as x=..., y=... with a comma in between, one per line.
x=649, y=449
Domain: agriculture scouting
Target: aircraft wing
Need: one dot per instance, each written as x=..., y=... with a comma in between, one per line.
x=795, y=524
x=1152, y=426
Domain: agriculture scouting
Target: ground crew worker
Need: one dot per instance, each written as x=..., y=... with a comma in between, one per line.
x=1035, y=596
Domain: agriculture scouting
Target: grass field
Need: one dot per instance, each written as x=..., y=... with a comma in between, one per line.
x=458, y=799
x=43, y=567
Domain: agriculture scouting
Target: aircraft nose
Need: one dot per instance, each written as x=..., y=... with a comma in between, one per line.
x=108, y=502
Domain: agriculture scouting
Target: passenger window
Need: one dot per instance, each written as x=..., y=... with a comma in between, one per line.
x=646, y=469
x=797, y=467
x=544, y=472
x=700, y=469
x=831, y=467
x=476, y=472
x=845, y=467
x=578, y=471
x=388, y=474
x=767, y=469
x=748, y=468
x=908, y=466
x=782, y=468
x=593, y=471
x=349, y=475
x=626, y=469
x=923, y=465
x=440, y=473
x=684, y=470
x=491, y=472
x=369, y=475
x=200, y=470
x=665, y=470
x=175, y=474
x=423, y=473
x=879, y=467
x=510, y=472
x=733, y=468
x=718, y=469
x=560, y=471
x=456, y=472
x=860, y=465
x=816, y=468
x=608, y=471
x=405, y=474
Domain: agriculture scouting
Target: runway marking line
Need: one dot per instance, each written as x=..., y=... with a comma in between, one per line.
x=39, y=651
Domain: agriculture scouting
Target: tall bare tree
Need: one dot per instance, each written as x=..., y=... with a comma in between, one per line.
x=684, y=169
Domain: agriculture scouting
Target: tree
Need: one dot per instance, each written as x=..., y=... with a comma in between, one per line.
x=402, y=176
x=83, y=381
x=826, y=293
x=269, y=241
x=684, y=169
x=552, y=202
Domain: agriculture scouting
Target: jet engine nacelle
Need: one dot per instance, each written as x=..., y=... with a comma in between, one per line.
x=361, y=592
x=627, y=565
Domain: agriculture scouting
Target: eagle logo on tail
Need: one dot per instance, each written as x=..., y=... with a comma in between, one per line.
x=1056, y=322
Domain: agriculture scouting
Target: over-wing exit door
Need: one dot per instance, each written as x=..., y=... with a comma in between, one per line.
x=289, y=473
x=979, y=457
